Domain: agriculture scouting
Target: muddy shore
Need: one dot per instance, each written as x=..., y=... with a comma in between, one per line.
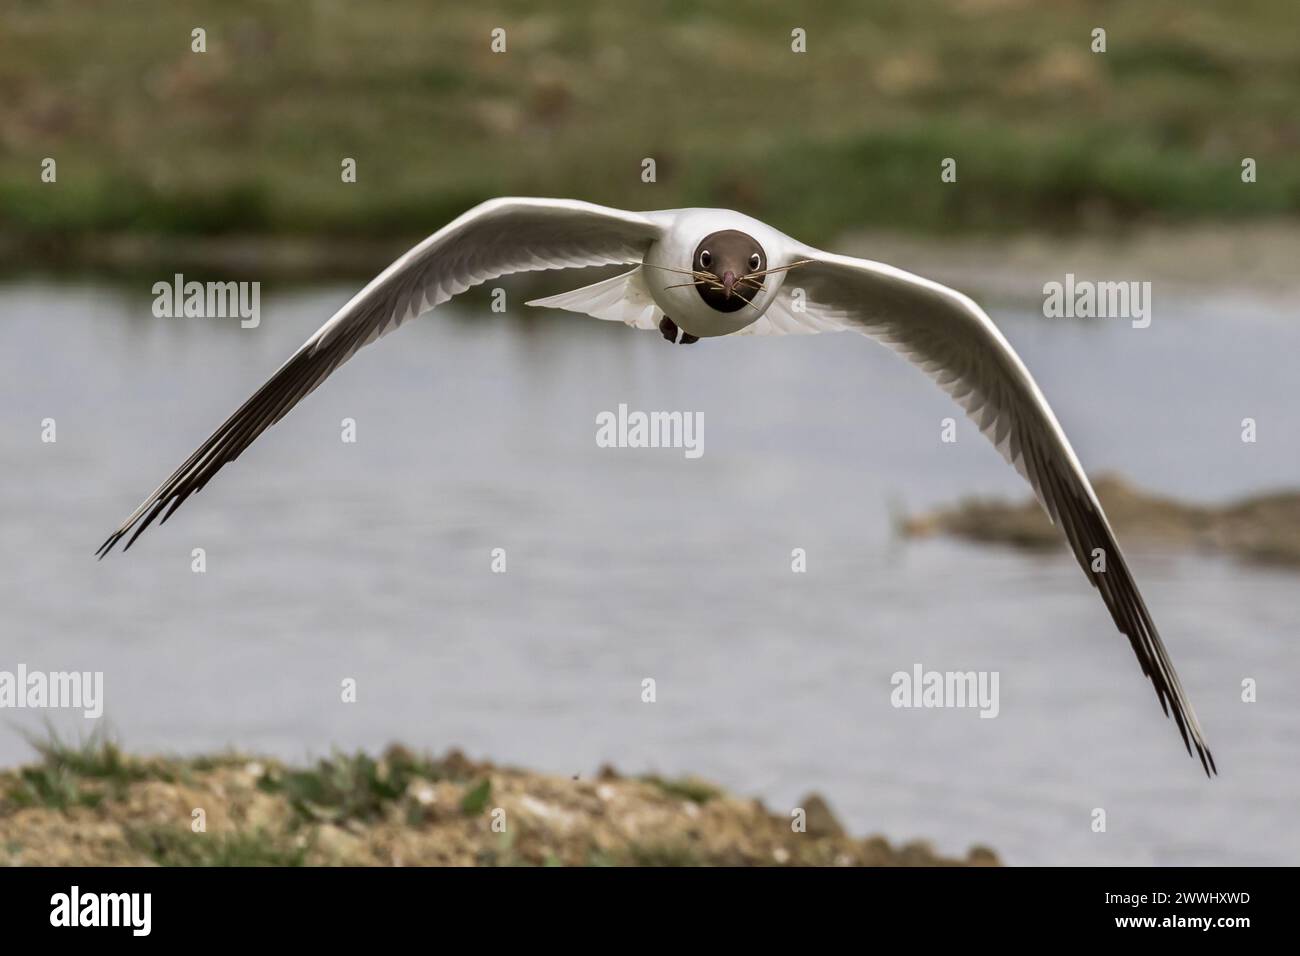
x=94, y=805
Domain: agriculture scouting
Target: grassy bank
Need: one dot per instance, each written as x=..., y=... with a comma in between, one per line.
x=153, y=139
x=94, y=805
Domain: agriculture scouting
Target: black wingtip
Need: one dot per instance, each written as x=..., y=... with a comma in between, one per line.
x=1207, y=761
x=1202, y=752
x=102, y=551
x=1192, y=738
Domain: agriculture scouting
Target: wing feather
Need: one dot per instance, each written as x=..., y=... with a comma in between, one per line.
x=624, y=298
x=497, y=238
x=950, y=338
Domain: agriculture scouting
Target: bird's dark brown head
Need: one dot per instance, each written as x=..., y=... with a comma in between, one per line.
x=730, y=258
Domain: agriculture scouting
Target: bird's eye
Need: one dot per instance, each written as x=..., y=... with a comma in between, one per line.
x=706, y=258
x=755, y=261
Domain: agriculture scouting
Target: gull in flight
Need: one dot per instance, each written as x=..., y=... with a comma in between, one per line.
x=703, y=273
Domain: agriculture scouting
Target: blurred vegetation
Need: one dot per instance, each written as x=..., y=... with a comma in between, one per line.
x=248, y=137
x=168, y=846
x=90, y=803
x=75, y=774
x=687, y=788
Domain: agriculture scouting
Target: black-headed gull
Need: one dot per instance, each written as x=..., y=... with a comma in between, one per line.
x=702, y=273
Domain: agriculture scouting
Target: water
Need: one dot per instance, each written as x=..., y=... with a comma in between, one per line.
x=370, y=561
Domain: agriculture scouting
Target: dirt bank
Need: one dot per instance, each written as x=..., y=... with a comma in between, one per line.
x=93, y=805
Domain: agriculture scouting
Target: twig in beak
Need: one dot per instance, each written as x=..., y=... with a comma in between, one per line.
x=716, y=285
x=682, y=285
x=766, y=272
x=685, y=272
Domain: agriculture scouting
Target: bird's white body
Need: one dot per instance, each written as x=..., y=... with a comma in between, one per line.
x=684, y=229
x=940, y=330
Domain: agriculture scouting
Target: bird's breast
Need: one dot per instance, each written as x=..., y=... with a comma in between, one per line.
x=668, y=279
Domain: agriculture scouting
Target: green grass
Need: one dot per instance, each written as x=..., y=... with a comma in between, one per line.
x=248, y=137
x=76, y=775
x=476, y=798
x=349, y=787
x=341, y=788
x=169, y=846
x=53, y=787
x=639, y=854
x=686, y=788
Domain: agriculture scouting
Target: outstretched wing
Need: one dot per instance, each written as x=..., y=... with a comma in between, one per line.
x=959, y=347
x=497, y=238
